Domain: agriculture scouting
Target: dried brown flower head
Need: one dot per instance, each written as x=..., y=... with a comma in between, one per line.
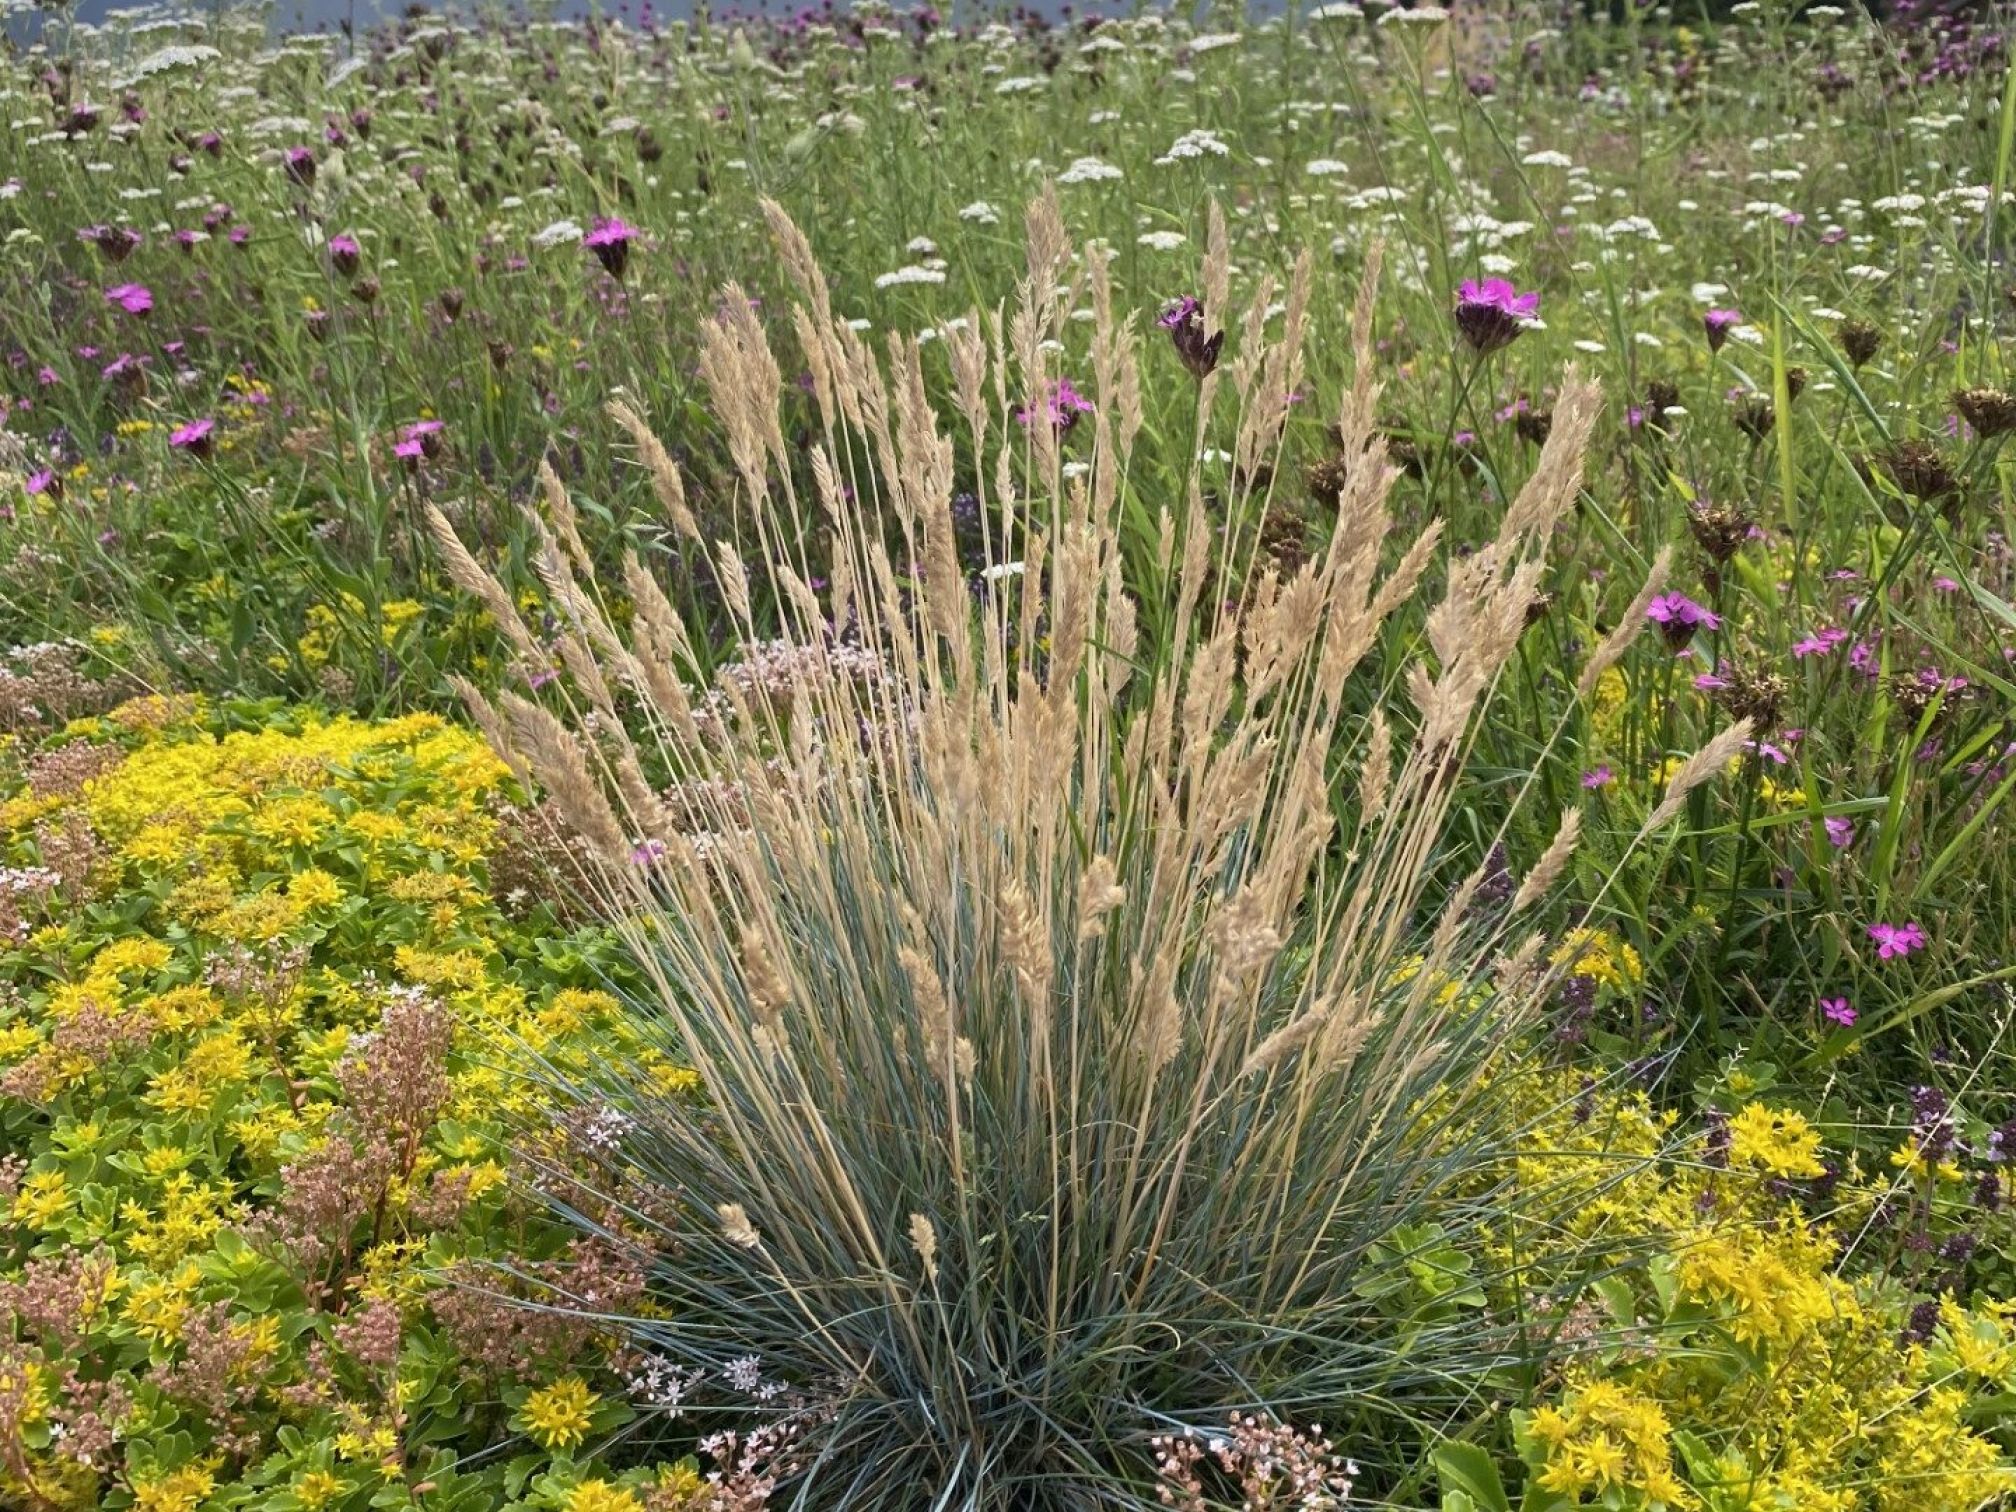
x=1757, y=696
x=1991, y=411
x=1756, y=416
x=1532, y=425
x=1921, y=470
x=1859, y=339
x=1719, y=529
x=1325, y=479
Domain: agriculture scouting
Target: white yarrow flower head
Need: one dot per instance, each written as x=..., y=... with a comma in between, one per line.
x=1325, y=167
x=1338, y=10
x=1162, y=241
x=1088, y=170
x=561, y=231
x=914, y=273
x=1023, y=84
x=1194, y=144
x=981, y=213
x=1420, y=15
x=1213, y=41
x=1548, y=158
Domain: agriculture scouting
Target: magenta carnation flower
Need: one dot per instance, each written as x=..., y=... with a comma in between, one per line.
x=1491, y=314
x=1894, y=940
x=1184, y=321
x=609, y=239
x=195, y=438
x=344, y=254
x=1837, y=1011
x=423, y=434
x=1063, y=405
x=1717, y=324
x=1678, y=617
x=133, y=298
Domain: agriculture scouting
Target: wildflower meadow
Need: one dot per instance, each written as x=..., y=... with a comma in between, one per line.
x=1009, y=762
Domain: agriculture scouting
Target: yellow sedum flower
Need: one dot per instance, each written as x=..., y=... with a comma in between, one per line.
x=601, y=1496
x=559, y=1416
x=1774, y=1141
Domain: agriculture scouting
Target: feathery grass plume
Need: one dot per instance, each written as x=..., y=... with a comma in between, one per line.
x=1697, y=769
x=666, y=484
x=1538, y=882
x=469, y=575
x=1618, y=641
x=1040, y=920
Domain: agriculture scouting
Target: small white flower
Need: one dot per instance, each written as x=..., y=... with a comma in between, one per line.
x=1593, y=348
x=1020, y=85
x=1548, y=159
x=981, y=213
x=1003, y=570
x=1162, y=241
x=1420, y=15
x=1325, y=167
x=922, y=246
x=1212, y=41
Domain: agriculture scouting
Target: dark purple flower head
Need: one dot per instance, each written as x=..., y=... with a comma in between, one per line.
x=1678, y=617
x=344, y=255
x=211, y=143
x=609, y=239
x=1717, y=324
x=1491, y=314
x=133, y=298
x=114, y=243
x=81, y=118
x=195, y=438
x=1184, y=321
x=300, y=165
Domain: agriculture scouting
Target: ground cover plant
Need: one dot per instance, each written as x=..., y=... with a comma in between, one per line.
x=900, y=497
